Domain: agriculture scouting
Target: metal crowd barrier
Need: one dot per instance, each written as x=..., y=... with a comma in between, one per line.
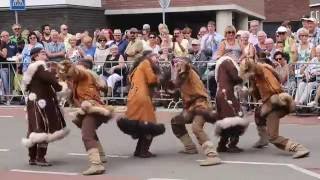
x=206, y=71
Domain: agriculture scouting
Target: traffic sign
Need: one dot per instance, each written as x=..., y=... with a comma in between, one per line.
x=17, y=5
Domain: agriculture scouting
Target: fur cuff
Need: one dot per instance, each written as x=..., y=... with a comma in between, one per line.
x=230, y=123
x=58, y=135
x=208, y=148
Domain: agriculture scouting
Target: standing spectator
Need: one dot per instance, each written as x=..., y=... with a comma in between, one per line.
x=109, y=36
x=152, y=43
x=202, y=32
x=65, y=35
x=74, y=53
x=33, y=42
x=55, y=50
x=314, y=32
x=304, y=48
x=25, y=33
x=46, y=33
x=210, y=41
x=254, y=28
x=135, y=46
x=230, y=45
x=196, y=55
x=180, y=45
x=88, y=48
x=187, y=32
x=17, y=37
x=261, y=46
x=270, y=48
x=309, y=74
x=4, y=69
x=289, y=44
x=146, y=31
x=11, y=47
x=101, y=50
x=121, y=43
x=248, y=50
x=304, y=21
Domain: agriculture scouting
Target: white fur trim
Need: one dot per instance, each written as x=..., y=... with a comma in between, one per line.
x=224, y=90
x=88, y=108
x=32, y=97
x=229, y=102
x=65, y=93
x=240, y=114
x=230, y=122
x=221, y=60
x=27, y=142
x=28, y=74
x=25, y=109
x=42, y=103
x=38, y=137
x=58, y=135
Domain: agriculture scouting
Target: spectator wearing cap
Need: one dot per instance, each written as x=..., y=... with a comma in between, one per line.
x=135, y=46
x=146, y=31
x=198, y=57
x=254, y=28
x=211, y=40
x=55, y=50
x=187, y=33
x=289, y=43
x=304, y=21
x=65, y=35
x=114, y=68
x=102, y=51
x=33, y=42
x=119, y=41
x=152, y=43
x=314, y=32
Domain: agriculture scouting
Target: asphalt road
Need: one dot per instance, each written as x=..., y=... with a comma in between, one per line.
x=69, y=159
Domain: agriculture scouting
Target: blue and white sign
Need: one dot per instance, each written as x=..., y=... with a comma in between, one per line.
x=17, y=5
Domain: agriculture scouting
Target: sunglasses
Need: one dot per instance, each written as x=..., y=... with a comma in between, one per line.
x=277, y=59
x=231, y=32
x=304, y=35
x=102, y=40
x=33, y=37
x=65, y=29
x=16, y=28
x=152, y=37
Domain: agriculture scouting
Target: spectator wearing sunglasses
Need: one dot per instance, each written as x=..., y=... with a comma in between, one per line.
x=152, y=43
x=101, y=51
x=230, y=44
x=289, y=43
x=65, y=35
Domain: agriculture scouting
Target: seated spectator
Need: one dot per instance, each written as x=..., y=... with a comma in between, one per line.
x=74, y=53
x=261, y=45
x=270, y=48
x=187, y=32
x=248, y=50
x=55, y=50
x=88, y=48
x=114, y=68
x=282, y=67
x=101, y=51
x=180, y=45
x=152, y=43
x=196, y=55
x=309, y=79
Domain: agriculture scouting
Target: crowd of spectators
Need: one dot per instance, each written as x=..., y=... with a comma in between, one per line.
x=294, y=55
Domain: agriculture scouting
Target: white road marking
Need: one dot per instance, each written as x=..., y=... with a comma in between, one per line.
x=292, y=166
x=108, y=155
x=6, y=116
x=163, y=179
x=44, y=172
x=4, y=150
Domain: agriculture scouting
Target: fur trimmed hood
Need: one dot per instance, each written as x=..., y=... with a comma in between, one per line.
x=28, y=75
x=221, y=60
x=35, y=138
x=239, y=124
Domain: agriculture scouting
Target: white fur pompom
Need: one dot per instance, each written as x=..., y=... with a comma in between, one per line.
x=240, y=114
x=85, y=105
x=26, y=142
x=42, y=103
x=229, y=102
x=32, y=97
x=245, y=89
x=224, y=90
x=38, y=137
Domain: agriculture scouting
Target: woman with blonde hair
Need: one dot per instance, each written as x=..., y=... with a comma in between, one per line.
x=74, y=53
x=230, y=44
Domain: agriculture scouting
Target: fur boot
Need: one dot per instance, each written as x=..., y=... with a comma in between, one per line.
x=212, y=155
x=263, y=137
x=102, y=154
x=299, y=150
x=189, y=146
x=96, y=166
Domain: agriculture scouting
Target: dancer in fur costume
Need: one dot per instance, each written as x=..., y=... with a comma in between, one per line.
x=45, y=119
x=196, y=111
x=231, y=123
x=275, y=105
x=91, y=111
x=140, y=121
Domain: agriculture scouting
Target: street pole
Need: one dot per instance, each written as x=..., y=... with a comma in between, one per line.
x=164, y=5
x=16, y=15
x=163, y=16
